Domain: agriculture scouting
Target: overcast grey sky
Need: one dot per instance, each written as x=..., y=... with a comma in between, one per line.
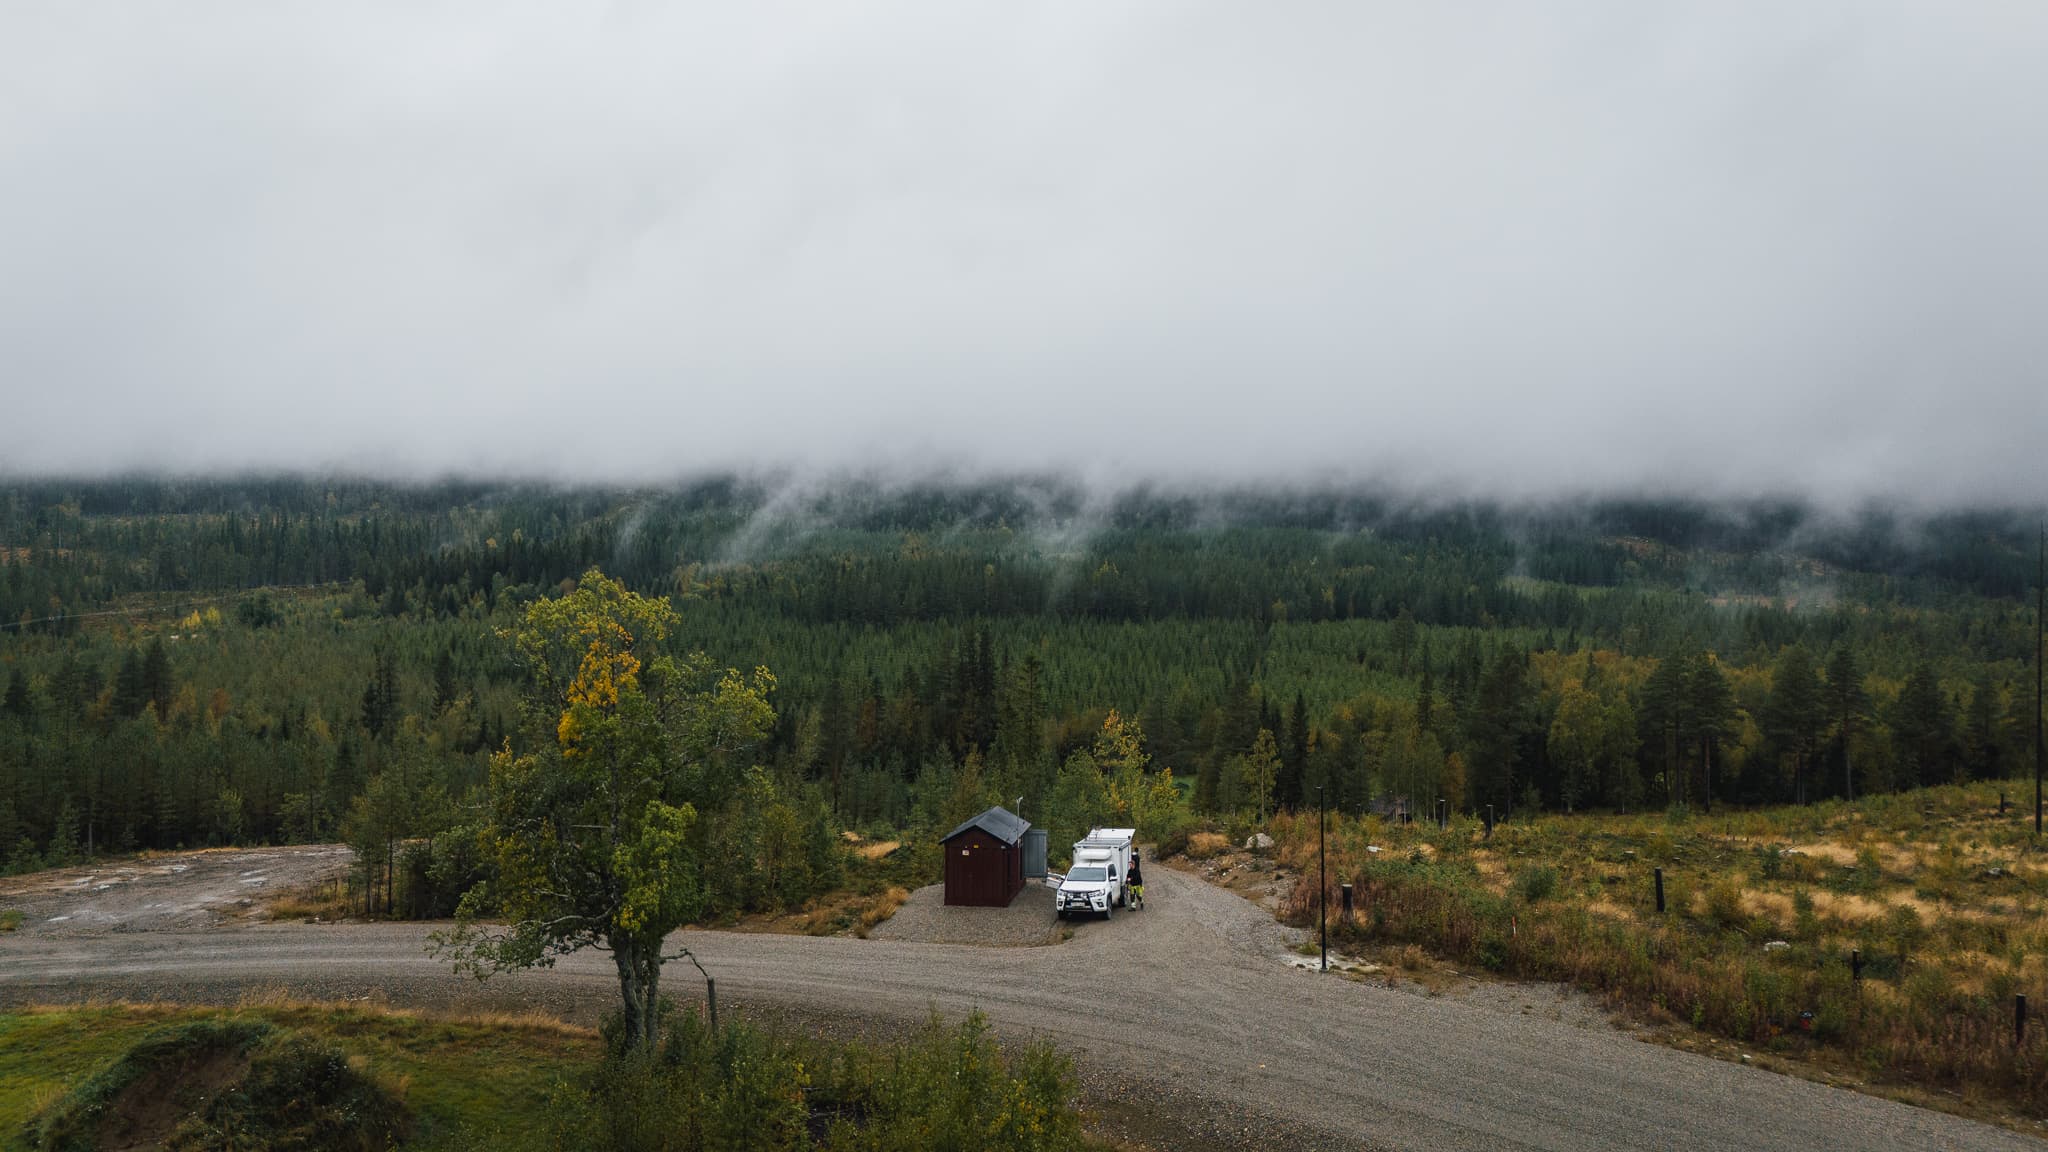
x=1524, y=247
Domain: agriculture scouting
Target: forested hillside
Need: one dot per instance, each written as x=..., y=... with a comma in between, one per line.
x=190, y=662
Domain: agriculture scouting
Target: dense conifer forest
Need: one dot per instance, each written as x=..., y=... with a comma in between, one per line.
x=188, y=662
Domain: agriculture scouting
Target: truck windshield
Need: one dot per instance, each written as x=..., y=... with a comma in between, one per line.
x=1086, y=875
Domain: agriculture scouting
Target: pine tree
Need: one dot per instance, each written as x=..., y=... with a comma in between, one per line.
x=1795, y=712
x=1848, y=705
x=1713, y=706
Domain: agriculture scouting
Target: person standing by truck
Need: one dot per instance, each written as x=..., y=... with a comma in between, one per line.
x=1137, y=882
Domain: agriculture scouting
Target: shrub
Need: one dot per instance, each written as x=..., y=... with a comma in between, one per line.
x=741, y=1088
x=1536, y=884
x=1724, y=903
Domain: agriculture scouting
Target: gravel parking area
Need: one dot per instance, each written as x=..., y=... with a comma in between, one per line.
x=1028, y=921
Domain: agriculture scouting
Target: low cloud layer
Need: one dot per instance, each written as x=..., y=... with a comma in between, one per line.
x=1506, y=249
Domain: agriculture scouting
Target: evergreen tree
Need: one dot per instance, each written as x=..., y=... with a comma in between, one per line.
x=1498, y=726
x=1984, y=739
x=380, y=698
x=131, y=688
x=1923, y=730
x=63, y=849
x=1287, y=791
x=17, y=703
x=1713, y=710
x=447, y=689
x=1848, y=706
x=1795, y=713
x=157, y=681
x=1425, y=693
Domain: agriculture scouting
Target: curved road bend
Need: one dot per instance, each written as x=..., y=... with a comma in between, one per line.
x=1193, y=993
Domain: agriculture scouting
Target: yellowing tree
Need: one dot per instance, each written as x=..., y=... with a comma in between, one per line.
x=591, y=833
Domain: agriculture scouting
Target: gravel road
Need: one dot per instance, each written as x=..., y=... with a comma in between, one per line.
x=1186, y=1019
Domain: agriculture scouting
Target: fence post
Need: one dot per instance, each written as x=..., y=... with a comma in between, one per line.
x=1347, y=903
x=1660, y=891
x=1856, y=965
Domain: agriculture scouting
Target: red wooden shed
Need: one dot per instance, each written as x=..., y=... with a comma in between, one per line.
x=985, y=859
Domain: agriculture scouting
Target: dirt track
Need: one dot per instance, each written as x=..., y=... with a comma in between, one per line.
x=1186, y=1017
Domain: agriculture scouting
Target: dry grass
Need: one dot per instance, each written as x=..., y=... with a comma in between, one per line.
x=327, y=900
x=879, y=908
x=1944, y=899
x=1203, y=845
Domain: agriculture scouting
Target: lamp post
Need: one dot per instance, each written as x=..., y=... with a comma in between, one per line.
x=1322, y=883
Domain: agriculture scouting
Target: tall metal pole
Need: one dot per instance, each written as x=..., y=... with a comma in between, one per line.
x=2040, y=609
x=1322, y=883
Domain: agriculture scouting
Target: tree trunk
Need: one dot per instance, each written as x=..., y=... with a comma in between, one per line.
x=639, y=989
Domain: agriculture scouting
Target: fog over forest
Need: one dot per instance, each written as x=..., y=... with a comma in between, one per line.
x=1504, y=250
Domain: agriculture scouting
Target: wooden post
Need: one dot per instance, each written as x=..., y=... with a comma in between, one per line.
x=1660, y=891
x=1347, y=903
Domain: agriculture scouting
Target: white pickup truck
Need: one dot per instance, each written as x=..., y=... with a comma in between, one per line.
x=1094, y=883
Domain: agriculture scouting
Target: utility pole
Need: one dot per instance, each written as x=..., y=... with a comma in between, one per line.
x=1322, y=883
x=2040, y=606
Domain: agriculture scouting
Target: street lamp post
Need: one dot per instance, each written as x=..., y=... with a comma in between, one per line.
x=1322, y=882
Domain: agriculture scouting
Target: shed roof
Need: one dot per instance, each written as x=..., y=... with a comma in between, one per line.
x=998, y=822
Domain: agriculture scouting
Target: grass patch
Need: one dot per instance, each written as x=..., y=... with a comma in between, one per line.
x=1944, y=898
x=512, y=1083
x=458, y=1075
x=10, y=919
x=225, y=1084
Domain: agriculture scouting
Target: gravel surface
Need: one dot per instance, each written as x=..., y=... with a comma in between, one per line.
x=925, y=918
x=1189, y=1026
x=167, y=891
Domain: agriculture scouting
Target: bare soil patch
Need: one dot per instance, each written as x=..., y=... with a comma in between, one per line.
x=167, y=890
